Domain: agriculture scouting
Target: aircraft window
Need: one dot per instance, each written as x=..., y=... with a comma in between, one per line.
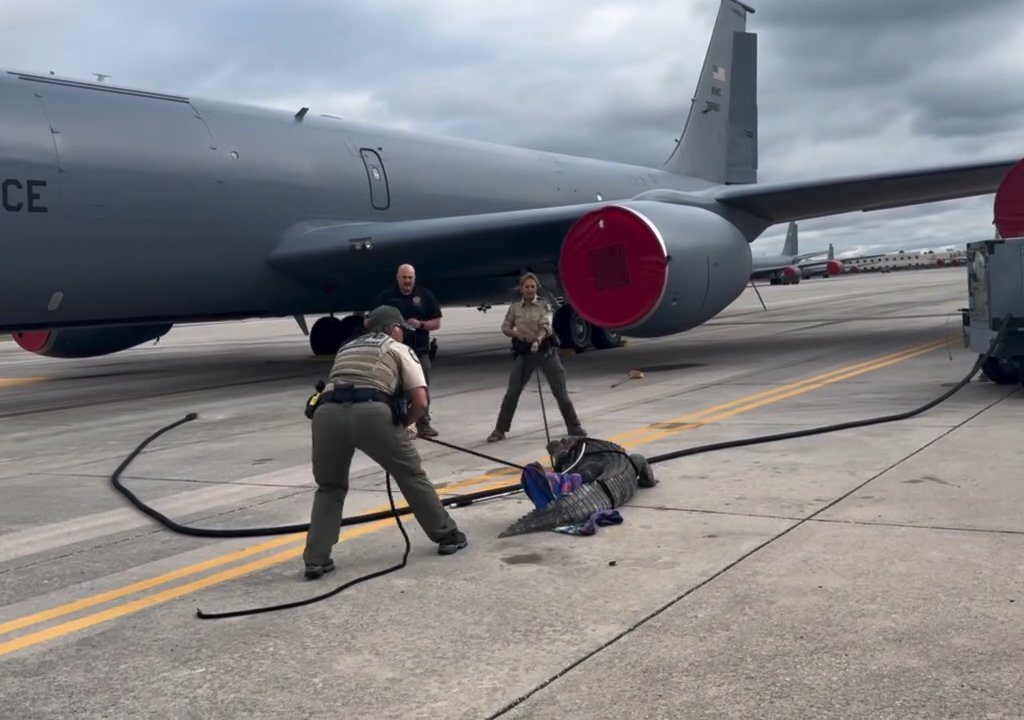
x=376, y=176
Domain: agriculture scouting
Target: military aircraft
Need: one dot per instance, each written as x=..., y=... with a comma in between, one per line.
x=828, y=267
x=123, y=211
x=789, y=267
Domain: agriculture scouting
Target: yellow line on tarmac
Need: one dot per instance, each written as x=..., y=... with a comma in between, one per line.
x=650, y=433
x=117, y=593
x=142, y=603
x=752, y=402
x=169, y=594
x=690, y=421
x=103, y=597
x=6, y=382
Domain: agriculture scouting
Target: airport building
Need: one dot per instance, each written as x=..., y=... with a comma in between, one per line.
x=906, y=260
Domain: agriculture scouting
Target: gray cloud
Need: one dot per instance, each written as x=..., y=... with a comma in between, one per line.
x=844, y=87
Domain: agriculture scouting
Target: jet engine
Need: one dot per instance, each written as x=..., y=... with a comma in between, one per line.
x=87, y=341
x=649, y=269
x=834, y=267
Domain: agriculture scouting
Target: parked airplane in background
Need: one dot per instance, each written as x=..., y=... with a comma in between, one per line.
x=124, y=211
x=789, y=267
x=823, y=268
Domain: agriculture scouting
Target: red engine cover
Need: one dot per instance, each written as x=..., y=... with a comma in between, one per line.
x=613, y=267
x=833, y=267
x=32, y=340
x=791, y=271
x=1009, y=203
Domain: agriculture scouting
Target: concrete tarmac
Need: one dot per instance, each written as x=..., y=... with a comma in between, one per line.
x=874, y=572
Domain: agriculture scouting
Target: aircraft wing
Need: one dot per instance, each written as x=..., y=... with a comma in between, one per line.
x=764, y=268
x=784, y=202
x=809, y=255
x=764, y=272
x=321, y=250
x=325, y=250
x=772, y=263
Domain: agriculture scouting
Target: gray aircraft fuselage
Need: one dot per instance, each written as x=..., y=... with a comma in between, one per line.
x=125, y=205
x=123, y=211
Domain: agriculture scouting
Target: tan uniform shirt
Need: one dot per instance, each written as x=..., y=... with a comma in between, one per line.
x=379, y=362
x=531, y=318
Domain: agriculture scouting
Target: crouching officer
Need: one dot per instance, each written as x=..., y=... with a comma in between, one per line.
x=359, y=409
x=528, y=323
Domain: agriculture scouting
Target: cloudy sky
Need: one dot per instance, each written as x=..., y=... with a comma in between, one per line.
x=845, y=86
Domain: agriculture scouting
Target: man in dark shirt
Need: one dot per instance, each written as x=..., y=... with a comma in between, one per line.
x=420, y=309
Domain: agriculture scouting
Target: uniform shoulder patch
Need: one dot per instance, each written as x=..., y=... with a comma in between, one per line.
x=412, y=354
x=402, y=349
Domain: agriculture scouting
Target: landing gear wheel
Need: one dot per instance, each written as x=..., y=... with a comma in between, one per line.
x=351, y=328
x=605, y=339
x=1002, y=371
x=325, y=336
x=572, y=330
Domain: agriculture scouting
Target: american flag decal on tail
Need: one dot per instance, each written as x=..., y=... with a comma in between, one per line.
x=718, y=73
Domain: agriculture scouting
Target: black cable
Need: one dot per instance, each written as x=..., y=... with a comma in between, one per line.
x=839, y=426
x=463, y=500
x=470, y=498
x=115, y=479
x=330, y=593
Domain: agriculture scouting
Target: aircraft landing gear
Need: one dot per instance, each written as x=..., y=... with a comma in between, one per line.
x=329, y=333
x=605, y=339
x=1003, y=371
x=573, y=331
x=578, y=334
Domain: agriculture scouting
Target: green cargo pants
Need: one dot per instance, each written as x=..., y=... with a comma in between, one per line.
x=522, y=369
x=338, y=431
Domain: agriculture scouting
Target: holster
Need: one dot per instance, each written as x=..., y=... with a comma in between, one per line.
x=348, y=394
x=314, y=400
x=399, y=411
x=399, y=407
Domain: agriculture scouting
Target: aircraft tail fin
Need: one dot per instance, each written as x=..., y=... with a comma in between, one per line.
x=831, y=252
x=719, y=140
x=789, y=248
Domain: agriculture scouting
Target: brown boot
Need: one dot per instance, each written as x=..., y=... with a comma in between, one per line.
x=425, y=430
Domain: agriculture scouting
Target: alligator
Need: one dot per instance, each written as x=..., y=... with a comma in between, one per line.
x=610, y=477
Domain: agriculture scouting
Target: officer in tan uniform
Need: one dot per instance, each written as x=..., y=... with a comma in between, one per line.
x=528, y=323
x=358, y=410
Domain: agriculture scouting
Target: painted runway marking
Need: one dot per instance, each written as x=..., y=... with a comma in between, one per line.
x=633, y=438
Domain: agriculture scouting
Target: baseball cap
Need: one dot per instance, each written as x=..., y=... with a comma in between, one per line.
x=380, y=317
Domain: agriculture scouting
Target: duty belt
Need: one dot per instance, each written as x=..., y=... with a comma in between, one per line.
x=349, y=394
x=521, y=347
